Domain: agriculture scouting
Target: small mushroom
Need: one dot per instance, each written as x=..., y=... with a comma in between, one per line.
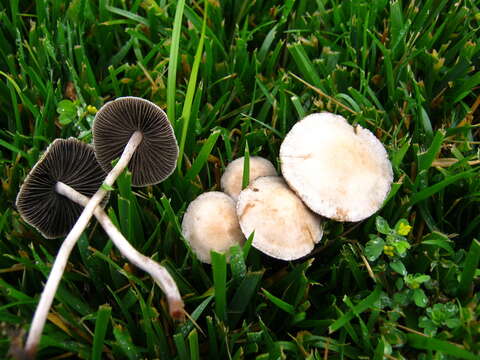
x=69, y=170
x=284, y=227
x=232, y=178
x=340, y=171
x=141, y=122
x=210, y=223
x=69, y=161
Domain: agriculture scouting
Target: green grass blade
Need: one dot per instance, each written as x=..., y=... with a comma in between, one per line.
x=124, y=341
x=248, y=245
x=181, y=347
x=219, y=268
x=192, y=82
x=431, y=344
x=304, y=64
x=203, y=155
x=426, y=159
x=279, y=303
x=186, y=327
x=298, y=106
x=471, y=264
x=194, y=346
x=429, y=191
x=246, y=167
x=243, y=296
x=362, y=306
x=101, y=326
x=237, y=264
x=173, y=61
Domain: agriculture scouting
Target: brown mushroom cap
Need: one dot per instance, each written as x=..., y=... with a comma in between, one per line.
x=232, y=178
x=210, y=223
x=66, y=160
x=284, y=227
x=155, y=157
x=340, y=172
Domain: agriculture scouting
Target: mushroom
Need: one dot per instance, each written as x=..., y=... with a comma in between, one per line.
x=136, y=121
x=67, y=166
x=232, y=178
x=284, y=227
x=69, y=161
x=340, y=171
x=210, y=223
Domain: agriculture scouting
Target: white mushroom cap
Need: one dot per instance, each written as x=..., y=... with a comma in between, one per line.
x=339, y=171
x=232, y=178
x=211, y=223
x=284, y=227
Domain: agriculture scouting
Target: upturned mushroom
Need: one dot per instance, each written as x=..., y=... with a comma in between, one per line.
x=43, y=201
x=210, y=223
x=284, y=227
x=40, y=205
x=232, y=178
x=142, y=127
x=339, y=171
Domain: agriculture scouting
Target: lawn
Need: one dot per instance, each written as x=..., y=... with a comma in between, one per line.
x=234, y=77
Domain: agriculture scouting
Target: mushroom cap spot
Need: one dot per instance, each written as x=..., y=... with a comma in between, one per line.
x=155, y=157
x=211, y=223
x=284, y=227
x=232, y=178
x=71, y=162
x=339, y=171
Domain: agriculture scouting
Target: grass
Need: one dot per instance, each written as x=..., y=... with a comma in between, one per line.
x=234, y=76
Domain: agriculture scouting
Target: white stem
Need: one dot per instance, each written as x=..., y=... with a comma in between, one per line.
x=157, y=271
x=46, y=299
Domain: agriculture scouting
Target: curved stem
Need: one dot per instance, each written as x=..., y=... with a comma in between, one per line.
x=46, y=299
x=158, y=272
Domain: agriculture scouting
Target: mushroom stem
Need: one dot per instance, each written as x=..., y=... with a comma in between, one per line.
x=158, y=272
x=48, y=294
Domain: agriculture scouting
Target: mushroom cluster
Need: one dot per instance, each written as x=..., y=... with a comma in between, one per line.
x=210, y=222
x=69, y=184
x=330, y=169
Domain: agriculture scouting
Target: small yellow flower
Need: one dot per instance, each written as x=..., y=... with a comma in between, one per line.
x=388, y=250
x=92, y=110
x=404, y=229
